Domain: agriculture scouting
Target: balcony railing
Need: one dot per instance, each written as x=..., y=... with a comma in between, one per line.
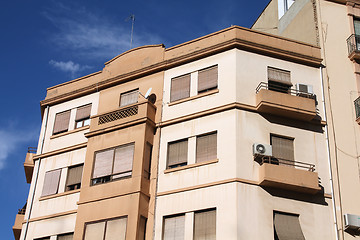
x=353, y=43
x=357, y=107
x=291, y=163
x=32, y=149
x=22, y=210
x=283, y=89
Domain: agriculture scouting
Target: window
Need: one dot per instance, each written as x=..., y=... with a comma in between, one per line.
x=73, y=180
x=279, y=80
x=174, y=227
x=66, y=236
x=129, y=98
x=106, y=230
x=114, y=163
x=147, y=160
x=206, y=147
x=61, y=122
x=207, y=79
x=82, y=116
x=287, y=226
x=283, y=149
x=51, y=182
x=205, y=225
x=42, y=238
x=180, y=87
x=177, y=153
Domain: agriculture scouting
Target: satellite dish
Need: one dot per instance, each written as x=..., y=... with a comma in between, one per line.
x=148, y=93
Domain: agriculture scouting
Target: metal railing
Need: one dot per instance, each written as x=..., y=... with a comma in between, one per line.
x=284, y=89
x=291, y=163
x=32, y=149
x=22, y=210
x=357, y=107
x=120, y=114
x=353, y=43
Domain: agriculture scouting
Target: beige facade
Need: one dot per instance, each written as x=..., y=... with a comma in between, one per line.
x=184, y=160
x=332, y=26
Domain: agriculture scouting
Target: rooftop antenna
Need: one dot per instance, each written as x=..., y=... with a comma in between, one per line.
x=132, y=18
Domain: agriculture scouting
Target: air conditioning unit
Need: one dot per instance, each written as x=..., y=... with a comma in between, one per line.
x=303, y=89
x=260, y=149
x=352, y=222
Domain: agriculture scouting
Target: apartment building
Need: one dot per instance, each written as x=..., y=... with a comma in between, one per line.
x=221, y=137
x=333, y=26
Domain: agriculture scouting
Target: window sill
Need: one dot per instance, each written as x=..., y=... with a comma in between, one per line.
x=59, y=195
x=70, y=132
x=194, y=97
x=190, y=166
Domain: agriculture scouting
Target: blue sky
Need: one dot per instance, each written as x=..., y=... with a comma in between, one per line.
x=44, y=43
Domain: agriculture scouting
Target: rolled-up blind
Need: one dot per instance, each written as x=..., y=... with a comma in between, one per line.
x=68, y=236
x=174, y=228
x=129, y=98
x=278, y=75
x=180, y=87
x=74, y=175
x=177, y=152
x=282, y=148
x=116, y=229
x=51, y=182
x=103, y=163
x=61, y=122
x=205, y=225
x=94, y=231
x=123, y=161
x=208, y=79
x=83, y=112
x=206, y=147
x=287, y=227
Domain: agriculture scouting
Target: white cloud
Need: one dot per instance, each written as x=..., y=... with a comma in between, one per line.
x=70, y=67
x=9, y=142
x=89, y=34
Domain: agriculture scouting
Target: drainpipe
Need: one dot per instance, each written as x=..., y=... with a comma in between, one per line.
x=328, y=154
x=37, y=173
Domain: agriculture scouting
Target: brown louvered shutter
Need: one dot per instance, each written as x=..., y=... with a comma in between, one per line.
x=208, y=79
x=129, y=98
x=83, y=112
x=287, y=227
x=205, y=225
x=123, y=161
x=116, y=229
x=68, y=236
x=174, y=228
x=206, y=147
x=61, y=122
x=74, y=175
x=180, y=87
x=177, y=153
x=51, y=182
x=283, y=148
x=94, y=231
x=103, y=163
x=278, y=75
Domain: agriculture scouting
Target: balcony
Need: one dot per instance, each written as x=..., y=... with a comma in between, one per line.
x=29, y=163
x=353, y=43
x=122, y=117
x=289, y=103
x=18, y=222
x=288, y=175
x=357, y=109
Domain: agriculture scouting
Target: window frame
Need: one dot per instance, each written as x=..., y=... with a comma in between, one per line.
x=217, y=79
x=293, y=148
x=279, y=85
x=109, y=178
x=202, y=211
x=68, y=122
x=196, y=147
x=172, y=216
x=83, y=121
x=58, y=183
